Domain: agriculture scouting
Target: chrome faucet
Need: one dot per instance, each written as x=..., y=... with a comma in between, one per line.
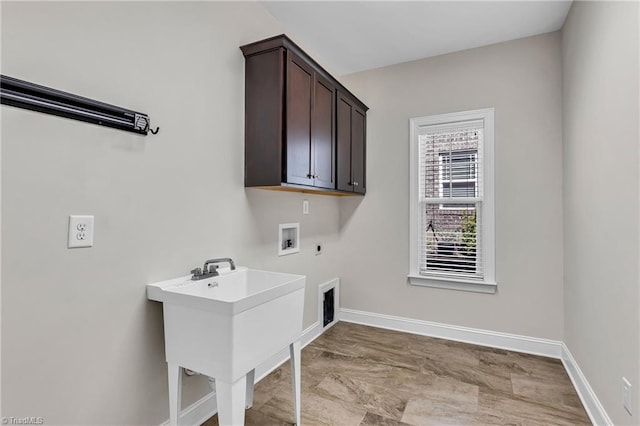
x=210, y=268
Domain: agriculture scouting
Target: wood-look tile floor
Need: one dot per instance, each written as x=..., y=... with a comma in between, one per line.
x=359, y=375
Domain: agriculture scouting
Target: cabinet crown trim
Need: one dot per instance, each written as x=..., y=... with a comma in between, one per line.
x=282, y=41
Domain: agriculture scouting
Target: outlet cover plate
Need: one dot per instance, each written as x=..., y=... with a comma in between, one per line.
x=80, y=231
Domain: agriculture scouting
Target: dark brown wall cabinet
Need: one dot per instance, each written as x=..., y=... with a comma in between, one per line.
x=351, y=141
x=304, y=131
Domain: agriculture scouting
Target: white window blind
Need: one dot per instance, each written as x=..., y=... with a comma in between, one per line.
x=450, y=184
x=458, y=176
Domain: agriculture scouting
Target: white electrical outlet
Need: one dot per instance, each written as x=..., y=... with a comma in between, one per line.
x=80, y=231
x=305, y=206
x=626, y=394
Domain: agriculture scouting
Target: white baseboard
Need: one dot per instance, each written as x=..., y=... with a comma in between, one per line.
x=207, y=406
x=590, y=401
x=494, y=339
x=512, y=342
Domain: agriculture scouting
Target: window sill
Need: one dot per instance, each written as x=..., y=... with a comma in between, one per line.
x=454, y=284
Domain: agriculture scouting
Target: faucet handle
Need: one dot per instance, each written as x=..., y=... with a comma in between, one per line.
x=196, y=272
x=212, y=267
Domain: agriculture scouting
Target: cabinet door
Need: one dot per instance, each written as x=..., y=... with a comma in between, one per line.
x=264, y=118
x=351, y=136
x=358, y=154
x=343, y=135
x=300, y=84
x=322, y=130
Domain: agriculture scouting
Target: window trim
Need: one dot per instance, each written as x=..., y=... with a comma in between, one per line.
x=488, y=283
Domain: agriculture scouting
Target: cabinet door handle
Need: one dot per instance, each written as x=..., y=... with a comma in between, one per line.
x=355, y=183
x=309, y=175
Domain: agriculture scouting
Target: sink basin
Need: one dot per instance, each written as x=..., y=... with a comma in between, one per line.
x=225, y=326
x=231, y=292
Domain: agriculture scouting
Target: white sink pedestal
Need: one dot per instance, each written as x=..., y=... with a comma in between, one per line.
x=233, y=398
x=224, y=327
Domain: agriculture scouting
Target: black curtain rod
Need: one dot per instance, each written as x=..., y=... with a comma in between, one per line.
x=34, y=97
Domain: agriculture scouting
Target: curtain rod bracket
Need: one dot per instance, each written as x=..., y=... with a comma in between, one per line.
x=143, y=123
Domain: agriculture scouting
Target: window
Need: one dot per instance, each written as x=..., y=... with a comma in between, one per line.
x=452, y=220
x=457, y=176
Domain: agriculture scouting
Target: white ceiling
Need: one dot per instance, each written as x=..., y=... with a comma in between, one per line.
x=350, y=36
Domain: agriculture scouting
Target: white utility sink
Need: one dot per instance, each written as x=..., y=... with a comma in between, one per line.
x=225, y=326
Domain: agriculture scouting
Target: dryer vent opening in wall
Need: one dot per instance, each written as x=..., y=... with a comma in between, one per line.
x=328, y=303
x=328, y=308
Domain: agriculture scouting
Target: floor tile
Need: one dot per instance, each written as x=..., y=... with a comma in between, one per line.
x=316, y=410
x=446, y=401
x=450, y=354
x=252, y=418
x=371, y=419
x=375, y=399
x=359, y=375
x=544, y=390
x=471, y=375
x=518, y=410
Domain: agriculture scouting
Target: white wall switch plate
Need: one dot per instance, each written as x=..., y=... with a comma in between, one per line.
x=626, y=394
x=80, y=231
x=305, y=206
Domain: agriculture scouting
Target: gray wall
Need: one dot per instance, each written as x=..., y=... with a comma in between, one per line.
x=81, y=343
x=601, y=192
x=79, y=337
x=522, y=80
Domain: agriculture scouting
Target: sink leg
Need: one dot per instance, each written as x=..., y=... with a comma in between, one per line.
x=231, y=401
x=294, y=349
x=250, y=379
x=175, y=393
